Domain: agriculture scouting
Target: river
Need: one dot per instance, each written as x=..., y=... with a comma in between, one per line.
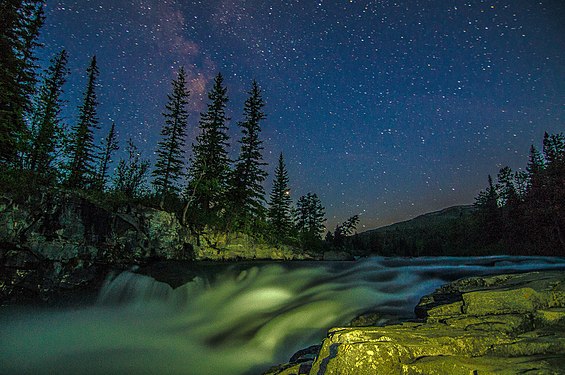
x=238, y=319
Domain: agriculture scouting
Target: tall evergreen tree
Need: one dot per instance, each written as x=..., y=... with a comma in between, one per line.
x=19, y=29
x=131, y=174
x=109, y=146
x=81, y=167
x=506, y=188
x=209, y=170
x=280, y=210
x=553, y=194
x=488, y=213
x=310, y=217
x=170, y=151
x=47, y=131
x=553, y=148
x=247, y=196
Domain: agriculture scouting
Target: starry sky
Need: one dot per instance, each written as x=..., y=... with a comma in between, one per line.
x=388, y=109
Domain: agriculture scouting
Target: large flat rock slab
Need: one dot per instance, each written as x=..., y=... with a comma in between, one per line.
x=505, y=324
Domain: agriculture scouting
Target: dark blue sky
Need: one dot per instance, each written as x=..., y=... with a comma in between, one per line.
x=385, y=108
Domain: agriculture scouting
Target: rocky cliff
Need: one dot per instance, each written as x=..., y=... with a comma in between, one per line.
x=507, y=324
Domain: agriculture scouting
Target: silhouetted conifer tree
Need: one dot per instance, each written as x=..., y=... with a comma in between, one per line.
x=310, y=217
x=109, y=146
x=488, y=213
x=46, y=128
x=82, y=153
x=131, y=174
x=19, y=29
x=553, y=191
x=246, y=195
x=280, y=205
x=170, y=152
x=506, y=188
x=343, y=230
x=209, y=170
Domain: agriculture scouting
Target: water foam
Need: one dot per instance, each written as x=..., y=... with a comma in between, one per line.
x=239, y=322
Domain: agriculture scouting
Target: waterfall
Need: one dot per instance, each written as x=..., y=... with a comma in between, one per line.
x=235, y=322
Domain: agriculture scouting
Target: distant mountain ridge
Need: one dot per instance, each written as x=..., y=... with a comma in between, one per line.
x=450, y=231
x=427, y=219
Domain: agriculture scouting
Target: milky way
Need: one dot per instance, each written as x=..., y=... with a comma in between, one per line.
x=384, y=108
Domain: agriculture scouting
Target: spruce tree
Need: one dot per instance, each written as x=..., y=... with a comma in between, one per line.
x=488, y=213
x=170, y=151
x=46, y=128
x=81, y=167
x=19, y=29
x=536, y=165
x=310, y=217
x=506, y=187
x=209, y=171
x=109, y=145
x=131, y=174
x=247, y=195
x=280, y=210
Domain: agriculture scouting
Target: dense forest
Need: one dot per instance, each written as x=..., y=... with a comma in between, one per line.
x=207, y=190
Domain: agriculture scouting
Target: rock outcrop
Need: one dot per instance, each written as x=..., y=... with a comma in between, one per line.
x=221, y=247
x=59, y=241
x=506, y=324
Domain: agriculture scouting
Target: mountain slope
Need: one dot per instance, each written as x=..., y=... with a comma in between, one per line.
x=444, y=232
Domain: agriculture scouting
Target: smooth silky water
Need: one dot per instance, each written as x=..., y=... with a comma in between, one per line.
x=236, y=322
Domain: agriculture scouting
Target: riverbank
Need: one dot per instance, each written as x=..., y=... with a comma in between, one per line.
x=504, y=324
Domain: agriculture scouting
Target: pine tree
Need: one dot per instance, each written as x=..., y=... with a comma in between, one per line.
x=247, y=196
x=19, y=29
x=81, y=167
x=131, y=174
x=47, y=131
x=343, y=230
x=553, y=194
x=170, y=151
x=347, y=228
x=109, y=145
x=506, y=188
x=280, y=210
x=310, y=217
x=209, y=170
x=535, y=168
x=488, y=213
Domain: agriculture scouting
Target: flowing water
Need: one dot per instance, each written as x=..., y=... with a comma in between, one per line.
x=239, y=321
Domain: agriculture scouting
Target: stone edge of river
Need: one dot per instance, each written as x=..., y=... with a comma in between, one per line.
x=512, y=323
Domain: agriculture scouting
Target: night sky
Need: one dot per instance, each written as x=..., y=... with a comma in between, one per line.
x=385, y=108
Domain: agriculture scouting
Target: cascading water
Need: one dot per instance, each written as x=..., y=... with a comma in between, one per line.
x=239, y=322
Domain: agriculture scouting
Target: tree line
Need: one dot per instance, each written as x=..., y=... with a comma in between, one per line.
x=207, y=190
x=519, y=212
x=523, y=212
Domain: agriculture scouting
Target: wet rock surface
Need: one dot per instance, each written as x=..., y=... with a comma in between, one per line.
x=506, y=324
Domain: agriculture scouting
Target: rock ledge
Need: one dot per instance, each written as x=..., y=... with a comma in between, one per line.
x=505, y=324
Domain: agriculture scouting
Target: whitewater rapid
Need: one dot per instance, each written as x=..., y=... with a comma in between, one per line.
x=240, y=321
